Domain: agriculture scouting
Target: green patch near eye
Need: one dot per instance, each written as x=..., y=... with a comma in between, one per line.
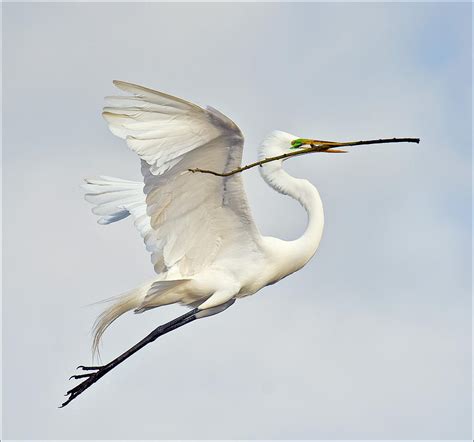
x=297, y=143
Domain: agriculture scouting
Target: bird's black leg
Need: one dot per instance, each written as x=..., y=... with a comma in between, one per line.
x=97, y=372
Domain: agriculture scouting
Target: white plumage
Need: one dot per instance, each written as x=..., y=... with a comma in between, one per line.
x=192, y=212
x=205, y=247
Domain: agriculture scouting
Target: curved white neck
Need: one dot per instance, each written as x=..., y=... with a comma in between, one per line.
x=307, y=195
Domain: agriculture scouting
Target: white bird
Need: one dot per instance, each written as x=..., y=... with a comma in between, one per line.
x=205, y=247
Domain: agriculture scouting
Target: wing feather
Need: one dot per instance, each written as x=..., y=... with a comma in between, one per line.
x=191, y=218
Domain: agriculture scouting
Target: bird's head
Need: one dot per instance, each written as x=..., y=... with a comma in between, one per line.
x=280, y=143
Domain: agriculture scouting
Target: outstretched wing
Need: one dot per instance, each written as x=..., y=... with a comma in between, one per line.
x=193, y=217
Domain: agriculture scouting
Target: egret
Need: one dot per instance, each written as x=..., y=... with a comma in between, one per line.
x=192, y=212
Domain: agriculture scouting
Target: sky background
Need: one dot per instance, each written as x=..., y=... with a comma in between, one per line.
x=371, y=340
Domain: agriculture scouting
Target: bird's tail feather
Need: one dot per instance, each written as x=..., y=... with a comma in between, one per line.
x=148, y=296
x=162, y=293
x=123, y=303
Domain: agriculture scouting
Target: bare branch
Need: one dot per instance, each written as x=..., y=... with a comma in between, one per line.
x=324, y=147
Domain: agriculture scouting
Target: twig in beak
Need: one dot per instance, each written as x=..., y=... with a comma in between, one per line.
x=324, y=147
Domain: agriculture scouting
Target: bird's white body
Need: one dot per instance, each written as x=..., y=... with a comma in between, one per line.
x=206, y=249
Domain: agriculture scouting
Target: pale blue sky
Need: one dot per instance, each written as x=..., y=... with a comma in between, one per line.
x=371, y=340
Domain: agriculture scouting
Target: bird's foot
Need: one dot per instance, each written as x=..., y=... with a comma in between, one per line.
x=84, y=367
x=95, y=374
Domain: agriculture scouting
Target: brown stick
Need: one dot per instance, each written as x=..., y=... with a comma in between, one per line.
x=323, y=147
